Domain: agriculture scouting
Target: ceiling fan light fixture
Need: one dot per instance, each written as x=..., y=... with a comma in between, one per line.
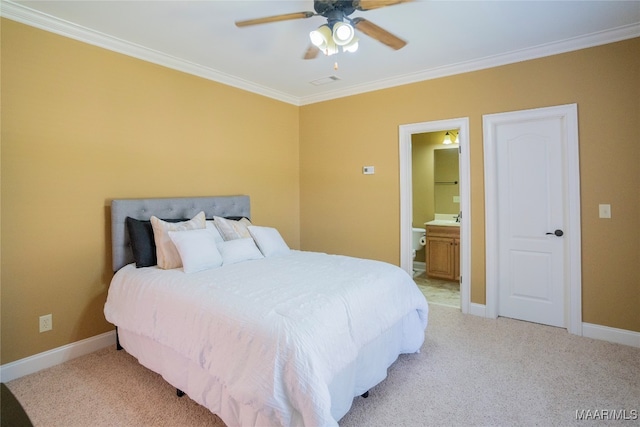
x=331, y=48
x=351, y=46
x=343, y=33
x=339, y=30
x=321, y=36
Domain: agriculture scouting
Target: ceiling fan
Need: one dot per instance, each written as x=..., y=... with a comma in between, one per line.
x=339, y=31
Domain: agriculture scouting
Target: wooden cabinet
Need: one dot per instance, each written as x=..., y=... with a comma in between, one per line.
x=443, y=252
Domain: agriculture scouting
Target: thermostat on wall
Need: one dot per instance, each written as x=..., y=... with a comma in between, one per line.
x=368, y=170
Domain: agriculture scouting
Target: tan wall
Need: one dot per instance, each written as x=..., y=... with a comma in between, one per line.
x=82, y=125
x=346, y=212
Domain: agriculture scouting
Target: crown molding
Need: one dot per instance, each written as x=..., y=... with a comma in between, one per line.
x=548, y=49
x=25, y=15
x=19, y=13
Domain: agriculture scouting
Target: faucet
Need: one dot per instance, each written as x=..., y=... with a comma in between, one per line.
x=459, y=216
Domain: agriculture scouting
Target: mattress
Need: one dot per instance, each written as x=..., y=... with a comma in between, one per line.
x=286, y=340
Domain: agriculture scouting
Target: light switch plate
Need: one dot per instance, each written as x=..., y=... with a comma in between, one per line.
x=368, y=170
x=605, y=210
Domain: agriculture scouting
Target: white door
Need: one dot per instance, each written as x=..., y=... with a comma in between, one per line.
x=530, y=206
x=531, y=214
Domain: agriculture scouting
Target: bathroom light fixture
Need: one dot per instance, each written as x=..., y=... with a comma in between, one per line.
x=447, y=139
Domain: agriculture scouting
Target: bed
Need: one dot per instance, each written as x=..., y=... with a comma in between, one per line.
x=283, y=337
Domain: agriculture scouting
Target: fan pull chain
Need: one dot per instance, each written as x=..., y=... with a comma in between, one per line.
x=335, y=65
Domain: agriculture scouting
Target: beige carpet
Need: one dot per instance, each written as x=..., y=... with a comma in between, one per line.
x=471, y=371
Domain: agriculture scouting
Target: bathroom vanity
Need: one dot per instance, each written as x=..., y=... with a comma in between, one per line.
x=443, y=249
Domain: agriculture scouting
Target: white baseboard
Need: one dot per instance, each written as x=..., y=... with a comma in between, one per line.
x=606, y=333
x=47, y=359
x=477, y=309
x=589, y=330
x=418, y=265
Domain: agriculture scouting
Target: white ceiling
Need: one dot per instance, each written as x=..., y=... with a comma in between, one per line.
x=444, y=38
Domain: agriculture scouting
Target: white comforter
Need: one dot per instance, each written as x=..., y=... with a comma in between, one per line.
x=273, y=331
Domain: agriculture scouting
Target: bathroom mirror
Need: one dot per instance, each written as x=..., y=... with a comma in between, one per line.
x=446, y=181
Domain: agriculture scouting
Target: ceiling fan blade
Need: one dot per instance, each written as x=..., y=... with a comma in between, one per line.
x=311, y=52
x=378, y=33
x=276, y=18
x=375, y=4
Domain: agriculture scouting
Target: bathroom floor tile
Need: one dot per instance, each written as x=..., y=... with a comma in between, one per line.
x=440, y=292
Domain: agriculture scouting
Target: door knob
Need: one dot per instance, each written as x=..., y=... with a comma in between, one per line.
x=557, y=233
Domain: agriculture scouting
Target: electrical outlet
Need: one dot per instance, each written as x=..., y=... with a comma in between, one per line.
x=46, y=323
x=604, y=210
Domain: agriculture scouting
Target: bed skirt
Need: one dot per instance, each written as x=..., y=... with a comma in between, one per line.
x=369, y=369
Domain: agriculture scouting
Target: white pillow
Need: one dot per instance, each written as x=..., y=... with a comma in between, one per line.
x=231, y=229
x=214, y=230
x=197, y=248
x=166, y=252
x=238, y=250
x=269, y=241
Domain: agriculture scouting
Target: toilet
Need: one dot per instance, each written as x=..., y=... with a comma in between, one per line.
x=419, y=239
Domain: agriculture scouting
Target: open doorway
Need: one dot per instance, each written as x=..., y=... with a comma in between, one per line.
x=436, y=208
x=407, y=132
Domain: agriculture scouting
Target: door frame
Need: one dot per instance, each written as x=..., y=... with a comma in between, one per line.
x=573, y=270
x=406, y=197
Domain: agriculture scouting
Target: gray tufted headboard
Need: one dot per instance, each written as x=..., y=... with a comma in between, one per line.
x=167, y=208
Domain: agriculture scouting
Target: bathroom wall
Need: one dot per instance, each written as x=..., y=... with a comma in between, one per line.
x=422, y=182
x=423, y=146
x=446, y=180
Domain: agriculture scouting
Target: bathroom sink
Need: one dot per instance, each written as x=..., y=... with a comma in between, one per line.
x=443, y=222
